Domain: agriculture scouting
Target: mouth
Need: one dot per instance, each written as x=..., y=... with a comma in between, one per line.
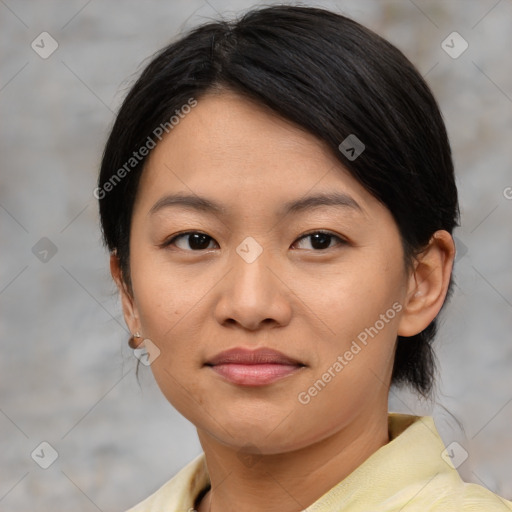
x=258, y=367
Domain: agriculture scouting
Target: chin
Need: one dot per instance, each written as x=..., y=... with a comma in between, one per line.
x=270, y=432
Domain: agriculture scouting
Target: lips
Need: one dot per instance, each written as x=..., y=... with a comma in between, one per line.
x=258, y=367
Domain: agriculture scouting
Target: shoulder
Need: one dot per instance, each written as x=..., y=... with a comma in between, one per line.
x=428, y=480
x=462, y=497
x=477, y=498
x=179, y=492
x=438, y=495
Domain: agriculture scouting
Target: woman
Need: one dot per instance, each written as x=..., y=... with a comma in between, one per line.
x=278, y=197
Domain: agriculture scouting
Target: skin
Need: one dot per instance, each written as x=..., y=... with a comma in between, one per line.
x=309, y=303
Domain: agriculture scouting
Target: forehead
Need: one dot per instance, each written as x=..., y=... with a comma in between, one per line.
x=226, y=127
x=239, y=151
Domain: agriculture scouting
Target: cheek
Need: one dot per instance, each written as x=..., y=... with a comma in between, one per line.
x=163, y=298
x=171, y=304
x=353, y=299
x=361, y=307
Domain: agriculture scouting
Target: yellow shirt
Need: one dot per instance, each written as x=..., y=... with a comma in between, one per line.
x=411, y=473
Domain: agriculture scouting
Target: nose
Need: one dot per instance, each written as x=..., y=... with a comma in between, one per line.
x=253, y=295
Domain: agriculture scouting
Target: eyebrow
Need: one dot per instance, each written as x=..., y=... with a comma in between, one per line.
x=337, y=199
x=203, y=204
x=187, y=201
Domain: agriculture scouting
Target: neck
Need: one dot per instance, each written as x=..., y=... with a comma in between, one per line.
x=292, y=481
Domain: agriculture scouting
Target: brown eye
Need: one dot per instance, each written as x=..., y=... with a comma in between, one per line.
x=321, y=240
x=193, y=240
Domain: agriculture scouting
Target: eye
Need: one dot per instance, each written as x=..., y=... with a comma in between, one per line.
x=321, y=240
x=195, y=240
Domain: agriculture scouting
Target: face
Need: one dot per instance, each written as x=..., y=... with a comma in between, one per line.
x=248, y=234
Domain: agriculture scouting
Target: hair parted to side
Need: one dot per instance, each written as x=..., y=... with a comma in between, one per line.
x=332, y=77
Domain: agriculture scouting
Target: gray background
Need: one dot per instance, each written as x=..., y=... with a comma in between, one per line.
x=67, y=376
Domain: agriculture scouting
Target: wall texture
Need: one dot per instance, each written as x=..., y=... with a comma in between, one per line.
x=67, y=377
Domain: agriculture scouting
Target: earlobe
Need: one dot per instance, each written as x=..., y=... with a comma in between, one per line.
x=428, y=284
x=130, y=313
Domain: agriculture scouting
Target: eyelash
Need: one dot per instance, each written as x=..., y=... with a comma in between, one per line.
x=172, y=240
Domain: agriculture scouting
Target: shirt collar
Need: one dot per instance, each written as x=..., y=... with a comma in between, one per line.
x=407, y=463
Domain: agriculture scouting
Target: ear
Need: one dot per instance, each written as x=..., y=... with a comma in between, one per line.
x=131, y=316
x=428, y=284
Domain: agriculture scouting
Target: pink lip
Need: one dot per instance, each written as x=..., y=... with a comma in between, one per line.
x=253, y=367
